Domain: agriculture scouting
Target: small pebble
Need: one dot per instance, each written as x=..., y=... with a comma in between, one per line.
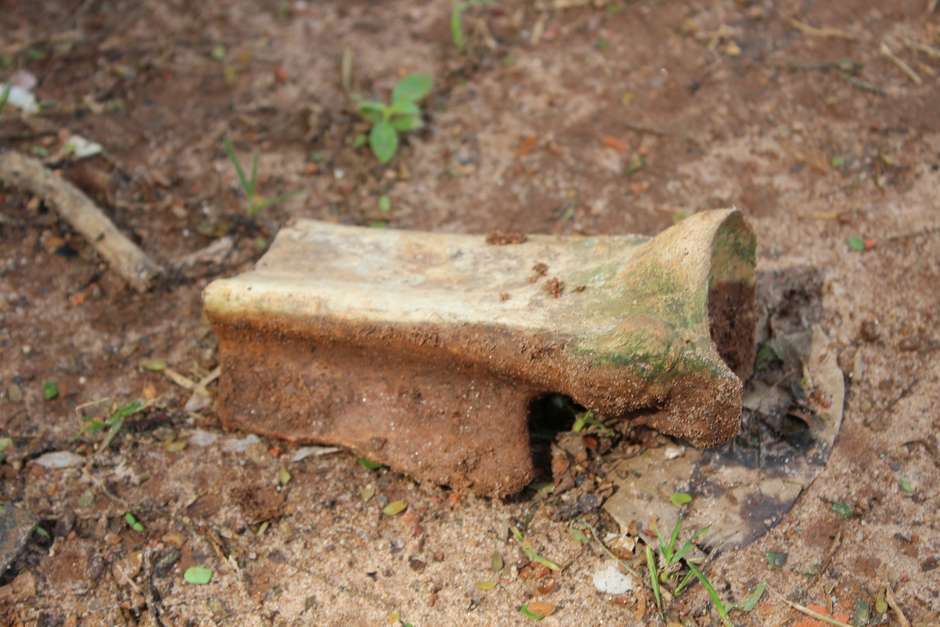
x=59, y=459
x=202, y=438
x=306, y=451
x=240, y=445
x=610, y=580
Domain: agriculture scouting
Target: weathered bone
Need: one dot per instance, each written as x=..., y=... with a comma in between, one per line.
x=424, y=351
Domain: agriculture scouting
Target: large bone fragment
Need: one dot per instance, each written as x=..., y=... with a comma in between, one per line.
x=424, y=351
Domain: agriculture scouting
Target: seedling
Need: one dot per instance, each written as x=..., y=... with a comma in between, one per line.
x=255, y=203
x=368, y=464
x=133, y=523
x=402, y=115
x=843, y=509
x=670, y=567
x=198, y=575
x=50, y=390
x=587, y=422
x=112, y=423
x=906, y=486
x=856, y=244
x=531, y=553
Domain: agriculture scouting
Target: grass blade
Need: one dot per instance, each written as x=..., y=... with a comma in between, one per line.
x=712, y=593
x=531, y=553
x=751, y=601
x=124, y=411
x=689, y=578
x=250, y=192
x=654, y=577
x=673, y=539
x=116, y=421
x=230, y=152
x=663, y=549
x=456, y=24
x=681, y=552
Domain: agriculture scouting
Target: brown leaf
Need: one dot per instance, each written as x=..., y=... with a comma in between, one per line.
x=614, y=143
x=526, y=145
x=533, y=570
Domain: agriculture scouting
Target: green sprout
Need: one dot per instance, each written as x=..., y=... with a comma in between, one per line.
x=402, y=115
x=50, y=391
x=133, y=523
x=255, y=202
x=456, y=20
x=456, y=24
x=531, y=553
x=587, y=422
x=670, y=566
x=112, y=423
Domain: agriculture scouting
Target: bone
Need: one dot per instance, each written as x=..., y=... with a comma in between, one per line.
x=426, y=351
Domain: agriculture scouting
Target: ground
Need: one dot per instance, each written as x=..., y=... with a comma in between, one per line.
x=600, y=117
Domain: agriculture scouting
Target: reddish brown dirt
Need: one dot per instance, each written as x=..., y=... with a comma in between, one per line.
x=709, y=105
x=501, y=238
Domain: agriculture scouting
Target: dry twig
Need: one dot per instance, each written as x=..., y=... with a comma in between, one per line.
x=893, y=604
x=833, y=547
x=78, y=210
x=930, y=51
x=811, y=613
x=904, y=67
x=825, y=31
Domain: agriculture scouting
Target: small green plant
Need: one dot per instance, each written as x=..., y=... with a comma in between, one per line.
x=50, y=391
x=198, y=575
x=671, y=567
x=112, y=423
x=587, y=422
x=402, y=115
x=133, y=523
x=255, y=203
x=531, y=553
x=456, y=20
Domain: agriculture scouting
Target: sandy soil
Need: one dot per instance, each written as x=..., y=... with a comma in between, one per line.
x=603, y=118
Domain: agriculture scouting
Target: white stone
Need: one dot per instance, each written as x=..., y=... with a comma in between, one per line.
x=240, y=445
x=202, y=438
x=59, y=459
x=307, y=451
x=610, y=580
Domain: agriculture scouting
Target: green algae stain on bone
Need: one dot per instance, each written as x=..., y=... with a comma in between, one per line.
x=656, y=318
x=734, y=253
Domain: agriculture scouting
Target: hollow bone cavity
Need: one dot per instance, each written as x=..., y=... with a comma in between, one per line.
x=424, y=351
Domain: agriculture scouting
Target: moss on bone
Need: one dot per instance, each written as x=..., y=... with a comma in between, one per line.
x=734, y=253
x=663, y=311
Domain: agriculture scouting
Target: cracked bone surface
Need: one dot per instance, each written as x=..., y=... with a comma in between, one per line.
x=425, y=351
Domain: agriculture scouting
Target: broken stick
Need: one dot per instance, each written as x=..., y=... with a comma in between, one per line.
x=124, y=257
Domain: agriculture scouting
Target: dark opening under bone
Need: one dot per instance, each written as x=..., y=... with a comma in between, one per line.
x=424, y=351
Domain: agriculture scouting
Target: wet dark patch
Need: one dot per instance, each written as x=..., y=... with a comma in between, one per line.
x=549, y=415
x=732, y=317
